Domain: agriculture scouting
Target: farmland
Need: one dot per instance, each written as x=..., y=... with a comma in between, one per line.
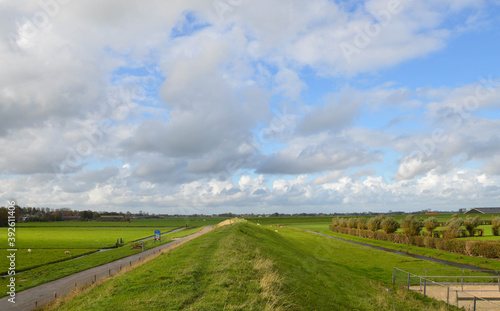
x=78, y=237
x=321, y=224
x=49, y=242
x=254, y=264
x=245, y=266
x=163, y=222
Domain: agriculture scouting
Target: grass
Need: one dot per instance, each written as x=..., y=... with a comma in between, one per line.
x=77, y=237
x=48, y=244
x=39, y=257
x=50, y=272
x=49, y=241
x=433, y=253
x=165, y=222
x=250, y=267
x=291, y=220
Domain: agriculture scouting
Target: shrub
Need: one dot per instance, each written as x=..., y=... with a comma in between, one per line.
x=335, y=221
x=439, y=244
x=471, y=224
x=418, y=241
x=495, y=225
x=342, y=223
x=430, y=224
x=374, y=223
x=488, y=249
x=411, y=226
x=352, y=223
x=361, y=223
x=455, y=246
x=453, y=227
x=429, y=242
x=485, y=249
x=389, y=225
x=381, y=236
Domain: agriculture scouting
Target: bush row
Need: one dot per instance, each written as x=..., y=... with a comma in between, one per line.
x=487, y=249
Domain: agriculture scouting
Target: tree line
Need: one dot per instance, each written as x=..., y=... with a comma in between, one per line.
x=412, y=226
x=423, y=233
x=45, y=214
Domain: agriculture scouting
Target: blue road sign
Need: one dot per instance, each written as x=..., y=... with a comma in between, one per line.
x=157, y=236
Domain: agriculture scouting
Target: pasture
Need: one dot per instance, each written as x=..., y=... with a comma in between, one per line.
x=49, y=243
x=163, y=222
x=321, y=224
x=77, y=237
x=230, y=257
x=250, y=267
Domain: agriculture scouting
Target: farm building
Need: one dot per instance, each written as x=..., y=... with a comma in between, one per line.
x=483, y=210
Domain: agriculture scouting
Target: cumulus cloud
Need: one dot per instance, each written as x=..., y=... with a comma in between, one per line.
x=316, y=154
x=115, y=105
x=336, y=114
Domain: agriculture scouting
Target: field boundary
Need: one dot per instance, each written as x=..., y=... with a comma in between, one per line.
x=38, y=296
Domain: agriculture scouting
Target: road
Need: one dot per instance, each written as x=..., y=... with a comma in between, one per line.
x=35, y=297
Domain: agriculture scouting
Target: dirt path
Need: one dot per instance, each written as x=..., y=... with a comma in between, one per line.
x=35, y=297
x=456, y=297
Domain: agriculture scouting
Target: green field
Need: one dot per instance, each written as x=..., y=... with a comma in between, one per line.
x=231, y=268
x=39, y=257
x=250, y=267
x=49, y=244
x=165, y=222
x=77, y=237
x=322, y=223
x=41, y=274
x=433, y=253
x=49, y=241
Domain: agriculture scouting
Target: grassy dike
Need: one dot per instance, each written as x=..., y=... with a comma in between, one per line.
x=248, y=267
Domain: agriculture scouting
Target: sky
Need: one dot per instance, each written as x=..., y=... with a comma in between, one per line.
x=212, y=106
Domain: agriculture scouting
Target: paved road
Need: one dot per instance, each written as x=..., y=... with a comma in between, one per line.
x=45, y=293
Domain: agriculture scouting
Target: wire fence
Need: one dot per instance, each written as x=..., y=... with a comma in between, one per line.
x=464, y=288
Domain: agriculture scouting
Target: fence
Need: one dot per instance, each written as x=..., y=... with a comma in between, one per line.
x=467, y=288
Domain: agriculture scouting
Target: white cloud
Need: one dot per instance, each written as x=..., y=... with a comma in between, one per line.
x=83, y=128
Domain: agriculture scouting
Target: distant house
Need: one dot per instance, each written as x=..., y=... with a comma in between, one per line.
x=483, y=210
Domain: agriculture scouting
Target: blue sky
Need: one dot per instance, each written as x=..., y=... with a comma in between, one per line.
x=251, y=107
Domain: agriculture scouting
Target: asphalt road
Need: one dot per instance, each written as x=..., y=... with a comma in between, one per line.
x=35, y=297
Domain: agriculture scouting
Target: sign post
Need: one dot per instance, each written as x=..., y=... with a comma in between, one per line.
x=157, y=236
